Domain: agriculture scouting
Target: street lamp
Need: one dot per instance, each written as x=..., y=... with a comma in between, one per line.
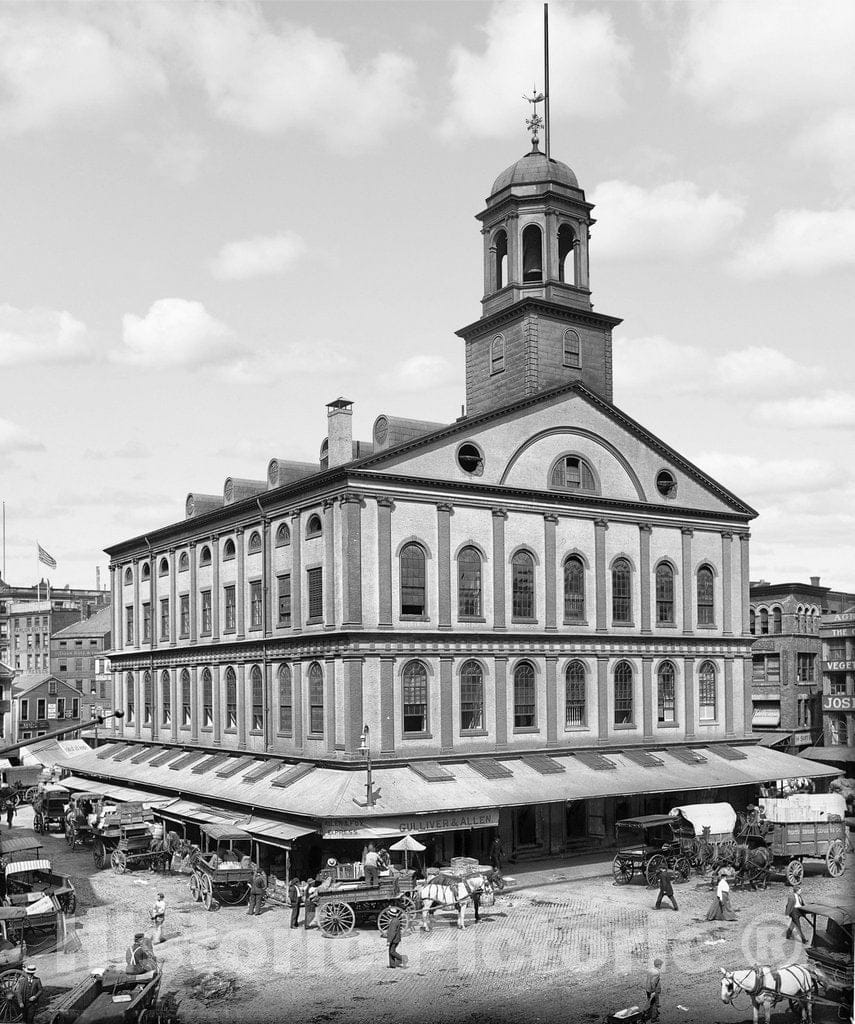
x=365, y=750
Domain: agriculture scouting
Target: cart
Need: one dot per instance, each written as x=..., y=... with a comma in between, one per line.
x=38, y=877
x=112, y=997
x=19, y=848
x=829, y=951
x=82, y=809
x=122, y=837
x=799, y=829
x=222, y=870
x=646, y=845
x=49, y=807
x=343, y=904
x=705, y=833
x=38, y=916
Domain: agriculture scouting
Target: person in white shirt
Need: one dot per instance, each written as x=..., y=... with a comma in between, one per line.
x=372, y=872
x=720, y=910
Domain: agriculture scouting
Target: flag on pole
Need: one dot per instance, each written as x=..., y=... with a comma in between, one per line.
x=49, y=560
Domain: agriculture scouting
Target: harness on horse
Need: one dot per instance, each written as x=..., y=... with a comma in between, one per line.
x=760, y=987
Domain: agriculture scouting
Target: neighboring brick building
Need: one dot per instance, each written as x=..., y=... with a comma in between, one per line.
x=78, y=653
x=31, y=624
x=40, y=703
x=838, y=688
x=7, y=674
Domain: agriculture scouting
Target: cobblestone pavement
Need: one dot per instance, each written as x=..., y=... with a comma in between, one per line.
x=554, y=947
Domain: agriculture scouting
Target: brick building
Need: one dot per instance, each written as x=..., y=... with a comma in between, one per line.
x=78, y=652
x=534, y=618
x=837, y=632
x=39, y=704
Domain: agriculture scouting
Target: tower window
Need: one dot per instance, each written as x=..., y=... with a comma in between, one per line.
x=706, y=604
x=145, y=571
x=524, y=697
x=566, y=254
x=470, y=459
x=574, y=588
x=522, y=585
x=572, y=348
x=532, y=254
x=500, y=245
x=497, y=354
x=570, y=473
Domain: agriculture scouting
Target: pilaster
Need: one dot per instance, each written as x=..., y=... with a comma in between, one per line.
x=216, y=703
x=444, y=512
x=500, y=669
x=194, y=598
x=138, y=704
x=644, y=531
x=728, y=697
x=268, y=591
x=745, y=571
x=137, y=634
x=500, y=515
x=387, y=705
x=297, y=689
x=446, y=736
x=240, y=596
x=353, y=703
x=195, y=704
x=688, y=580
x=174, y=703
x=296, y=590
x=215, y=585
x=242, y=705
x=726, y=582
x=385, y=506
x=549, y=523
x=551, y=701
x=747, y=703
x=647, y=696
x=329, y=705
x=602, y=698
x=689, y=696
x=600, y=527
x=351, y=530
x=173, y=590
x=329, y=564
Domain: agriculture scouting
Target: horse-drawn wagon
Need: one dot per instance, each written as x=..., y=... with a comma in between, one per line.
x=37, y=879
x=49, y=805
x=39, y=913
x=222, y=869
x=646, y=845
x=80, y=814
x=830, y=949
x=113, y=997
x=124, y=837
x=705, y=833
x=19, y=847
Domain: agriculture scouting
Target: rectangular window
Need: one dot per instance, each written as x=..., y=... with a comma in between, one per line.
x=806, y=667
x=837, y=684
x=146, y=621
x=25, y=709
x=63, y=666
x=184, y=612
x=129, y=624
x=773, y=668
x=206, y=612
x=230, y=608
x=758, y=669
x=231, y=707
x=41, y=709
x=256, y=614
x=51, y=688
x=621, y=597
x=78, y=664
x=285, y=600
x=836, y=650
x=60, y=707
x=164, y=618
x=316, y=593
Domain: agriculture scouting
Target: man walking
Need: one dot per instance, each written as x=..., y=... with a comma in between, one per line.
x=497, y=851
x=476, y=903
x=311, y=902
x=257, y=890
x=295, y=898
x=158, y=915
x=793, y=911
x=393, y=937
x=654, y=990
x=9, y=808
x=666, y=890
x=27, y=993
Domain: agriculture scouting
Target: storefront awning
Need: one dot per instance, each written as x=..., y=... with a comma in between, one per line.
x=766, y=716
x=123, y=794
x=774, y=739
x=830, y=755
x=263, y=829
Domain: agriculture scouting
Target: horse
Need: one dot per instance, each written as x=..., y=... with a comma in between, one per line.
x=753, y=864
x=766, y=987
x=450, y=891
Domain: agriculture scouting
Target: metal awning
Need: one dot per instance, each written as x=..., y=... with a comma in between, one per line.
x=772, y=739
x=123, y=794
x=766, y=716
x=278, y=833
x=829, y=755
x=265, y=830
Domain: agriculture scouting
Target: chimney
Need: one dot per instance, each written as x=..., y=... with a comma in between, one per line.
x=339, y=432
x=814, y=581
x=97, y=577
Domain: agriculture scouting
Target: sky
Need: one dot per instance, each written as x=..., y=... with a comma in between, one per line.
x=217, y=218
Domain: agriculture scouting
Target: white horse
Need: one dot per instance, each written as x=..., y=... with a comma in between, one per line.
x=767, y=988
x=449, y=891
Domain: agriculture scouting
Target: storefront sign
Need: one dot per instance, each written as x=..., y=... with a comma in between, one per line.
x=33, y=723
x=838, y=702
x=844, y=617
x=838, y=666
x=353, y=828
x=802, y=738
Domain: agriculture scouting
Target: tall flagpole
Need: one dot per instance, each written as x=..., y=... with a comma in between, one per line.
x=4, y=540
x=546, y=138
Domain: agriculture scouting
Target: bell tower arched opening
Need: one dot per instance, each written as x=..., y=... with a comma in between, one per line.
x=532, y=245
x=500, y=260
x=567, y=250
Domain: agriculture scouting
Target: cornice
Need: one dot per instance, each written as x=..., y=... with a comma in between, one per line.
x=502, y=316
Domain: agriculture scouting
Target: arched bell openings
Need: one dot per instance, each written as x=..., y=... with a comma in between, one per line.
x=532, y=246
x=500, y=260
x=567, y=249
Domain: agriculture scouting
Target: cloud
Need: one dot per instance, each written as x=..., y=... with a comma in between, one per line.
x=749, y=62
x=419, y=373
x=254, y=257
x=174, y=333
x=803, y=242
x=832, y=409
x=29, y=336
x=664, y=222
x=643, y=363
x=832, y=142
x=16, y=439
x=128, y=450
x=486, y=87
x=300, y=358
x=174, y=153
x=752, y=477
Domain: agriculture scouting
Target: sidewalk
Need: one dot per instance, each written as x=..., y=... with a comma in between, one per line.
x=536, y=873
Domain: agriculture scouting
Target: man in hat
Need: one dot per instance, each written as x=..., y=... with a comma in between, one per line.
x=795, y=901
x=295, y=898
x=257, y=891
x=27, y=993
x=666, y=890
x=393, y=936
x=654, y=989
x=139, y=960
x=158, y=916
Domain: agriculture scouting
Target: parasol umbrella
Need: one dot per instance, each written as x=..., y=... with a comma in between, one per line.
x=408, y=844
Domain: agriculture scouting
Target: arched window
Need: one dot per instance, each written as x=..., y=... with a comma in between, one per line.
x=664, y=594
x=231, y=699
x=666, y=693
x=163, y=567
x=469, y=584
x=621, y=591
x=566, y=254
x=706, y=603
x=776, y=620
x=257, y=682
x=228, y=550
x=471, y=697
x=575, y=709
x=572, y=348
x=574, y=588
x=314, y=528
x=254, y=545
x=145, y=571
x=752, y=621
x=130, y=699
x=316, y=699
x=207, y=699
x=146, y=698
x=571, y=473
x=165, y=699
x=532, y=253
x=183, y=562
x=497, y=354
x=286, y=700
x=415, y=698
x=500, y=267
x=186, y=706
x=522, y=586
x=707, y=709
x=413, y=580
x=283, y=535
x=205, y=556
x=524, y=697
x=764, y=622
x=623, y=693
x=129, y=576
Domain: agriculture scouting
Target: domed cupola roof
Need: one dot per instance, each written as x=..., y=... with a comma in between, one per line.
x=534, y=169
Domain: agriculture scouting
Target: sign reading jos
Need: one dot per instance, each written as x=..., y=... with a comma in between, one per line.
x=346, y=828
x=838, y=702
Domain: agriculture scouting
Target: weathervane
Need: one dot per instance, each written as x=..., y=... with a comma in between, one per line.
x=535, y=122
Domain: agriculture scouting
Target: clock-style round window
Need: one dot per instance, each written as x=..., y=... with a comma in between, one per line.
x=470, y=459
x=666, y=484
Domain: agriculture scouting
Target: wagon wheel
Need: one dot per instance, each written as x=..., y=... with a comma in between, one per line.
x=30, y=793
x=68, y=901
x=726, y=852
x=195, y=886
x=38, y=823
x=98, y=853
x=336, y=919
x=383, y=919
x=9, y=982
x=683, y=867
x=407, y=903
x=119, y=861
x=206, y=891
x=795, y=871
x=622, y=870
x=652, y=868
x=835, y=858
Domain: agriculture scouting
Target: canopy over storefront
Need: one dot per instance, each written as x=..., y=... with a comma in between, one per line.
x=830, y=755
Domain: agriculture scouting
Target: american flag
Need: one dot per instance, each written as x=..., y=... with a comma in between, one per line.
x=49, y=560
